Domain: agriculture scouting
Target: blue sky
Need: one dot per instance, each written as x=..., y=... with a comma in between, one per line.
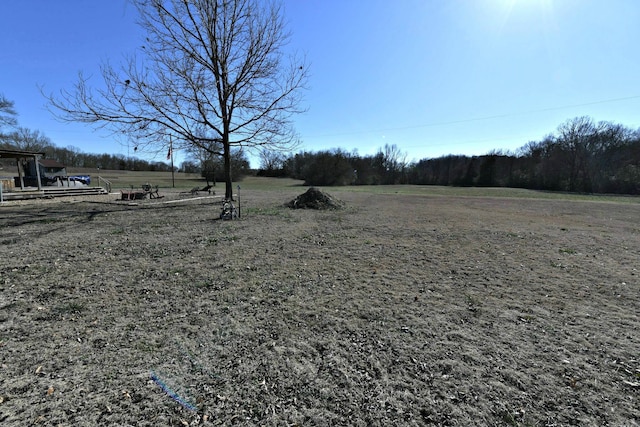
x=433, y=77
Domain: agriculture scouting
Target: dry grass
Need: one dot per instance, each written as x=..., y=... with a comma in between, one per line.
x=399, y=309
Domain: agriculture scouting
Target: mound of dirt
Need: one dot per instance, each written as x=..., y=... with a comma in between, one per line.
x=315, y=199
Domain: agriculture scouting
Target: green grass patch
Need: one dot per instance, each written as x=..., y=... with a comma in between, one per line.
x=569, y=251
x=270, y=211
x=70, y=308
x=497, y=192
x=186, y=181
x=126, y=180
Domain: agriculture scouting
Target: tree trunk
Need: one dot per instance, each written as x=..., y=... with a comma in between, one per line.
x=228, y=192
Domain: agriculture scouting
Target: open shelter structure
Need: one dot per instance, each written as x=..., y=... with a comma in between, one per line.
x=21, y=158
x=34, y=173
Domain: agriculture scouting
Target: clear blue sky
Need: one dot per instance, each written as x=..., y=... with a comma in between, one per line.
x=433, y=77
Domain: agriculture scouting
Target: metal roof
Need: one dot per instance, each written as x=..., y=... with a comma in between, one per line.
x=50, y=163
x=16, y=154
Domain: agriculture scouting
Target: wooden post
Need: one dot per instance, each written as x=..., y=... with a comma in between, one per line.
x=20, y=172
x=37, y=165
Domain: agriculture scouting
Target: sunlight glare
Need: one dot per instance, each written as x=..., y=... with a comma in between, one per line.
x=534, y=11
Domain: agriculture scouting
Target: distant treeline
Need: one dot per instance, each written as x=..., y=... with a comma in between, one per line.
x=73, y=157
x=581, y=156
x=78, y=159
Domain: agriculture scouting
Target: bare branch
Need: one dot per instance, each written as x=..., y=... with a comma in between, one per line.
x=7, y=112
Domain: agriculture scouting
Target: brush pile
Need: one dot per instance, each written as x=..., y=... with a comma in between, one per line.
x=315, y=199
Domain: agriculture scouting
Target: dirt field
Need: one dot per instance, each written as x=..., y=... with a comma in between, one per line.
x=395, y=310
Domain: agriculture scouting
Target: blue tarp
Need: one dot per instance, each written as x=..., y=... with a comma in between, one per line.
x=85, y=179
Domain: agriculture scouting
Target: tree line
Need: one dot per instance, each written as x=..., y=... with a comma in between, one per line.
x=211, y=168
x=580, y=156
x=74, y=157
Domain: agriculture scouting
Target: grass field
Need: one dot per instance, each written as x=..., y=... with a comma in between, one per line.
x=409, y=306
x=181, y=181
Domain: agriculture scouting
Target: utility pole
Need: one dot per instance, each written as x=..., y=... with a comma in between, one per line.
x=173, y=178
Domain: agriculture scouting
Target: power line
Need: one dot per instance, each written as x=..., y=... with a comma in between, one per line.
x=477, y=119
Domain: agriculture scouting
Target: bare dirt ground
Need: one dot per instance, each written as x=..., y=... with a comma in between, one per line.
x=395, y=310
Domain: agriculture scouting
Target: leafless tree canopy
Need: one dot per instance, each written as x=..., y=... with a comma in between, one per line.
x=26, y=139
x=7, y=112
x=272, y=159
x=211, y=74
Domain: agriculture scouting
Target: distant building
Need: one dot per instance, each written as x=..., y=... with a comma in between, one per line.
x=49, y=168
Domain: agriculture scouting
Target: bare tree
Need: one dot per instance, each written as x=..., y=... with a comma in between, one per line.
x=205, y=159
x=25, y=139
x=394, y=163
x=272, y=160
x=573, y=136
x=212, y=75
x=7, y=114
